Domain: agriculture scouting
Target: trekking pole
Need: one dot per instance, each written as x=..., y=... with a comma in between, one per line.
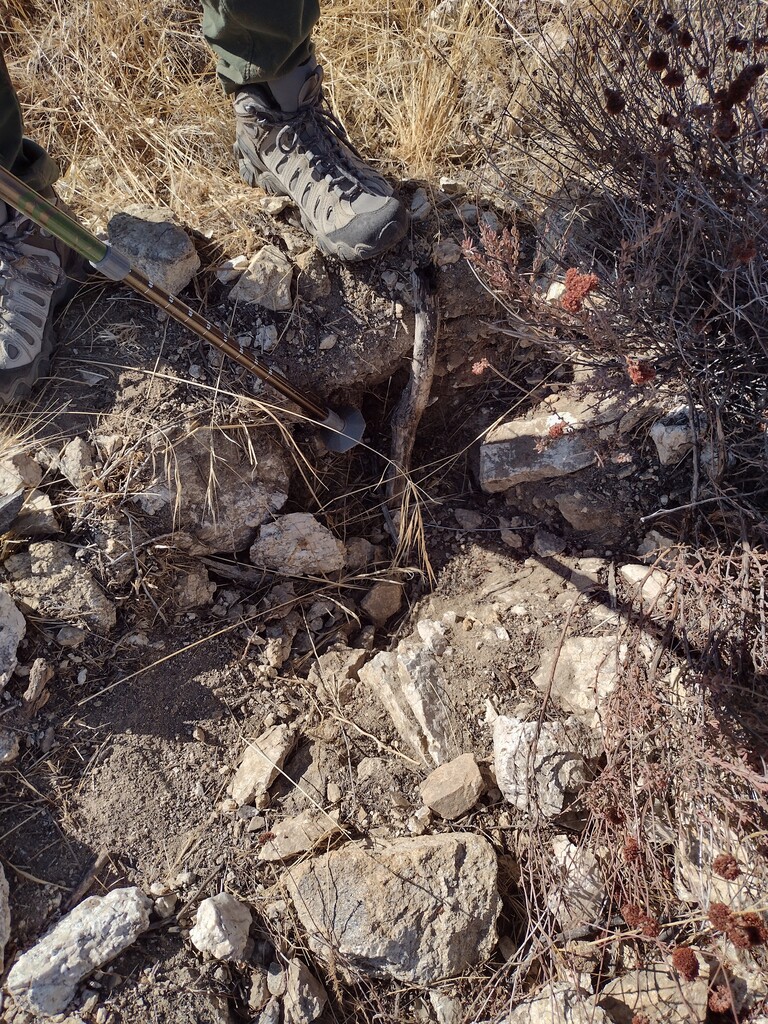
x=342, y=429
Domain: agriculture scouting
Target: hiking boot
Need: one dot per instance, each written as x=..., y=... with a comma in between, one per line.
x=289, y=143
x=36, y=276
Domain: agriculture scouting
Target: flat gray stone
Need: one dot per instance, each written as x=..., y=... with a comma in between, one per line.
x=156, y=245
x=415, y=909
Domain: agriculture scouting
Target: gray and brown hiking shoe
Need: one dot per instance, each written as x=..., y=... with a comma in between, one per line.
x=290, y=143
x=36, y=275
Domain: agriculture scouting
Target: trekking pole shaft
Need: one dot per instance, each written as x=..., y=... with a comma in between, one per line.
x=204, y=329
x=24, y=199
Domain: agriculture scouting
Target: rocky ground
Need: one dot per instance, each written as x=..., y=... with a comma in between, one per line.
x=261, y=763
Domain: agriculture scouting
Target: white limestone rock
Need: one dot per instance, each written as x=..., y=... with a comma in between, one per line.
x=266, y=281
x=221, y=927
x=583, y=675
x=13, y=626
x=45, y=978
x=536, y=765
x=297, y=544
x=410, y=684
x=50, y=580
x=304, y=998
x=262, y=761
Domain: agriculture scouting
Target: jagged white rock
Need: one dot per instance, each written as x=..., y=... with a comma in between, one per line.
x=221, y=927
x=44, y=979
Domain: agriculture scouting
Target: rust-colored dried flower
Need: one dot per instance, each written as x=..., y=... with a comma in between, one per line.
x=702, y=72
x=747, y=930
x=725, y=864
x=666, y=22
x=736, y=44
x=631, y=852
x=614, y=101
x=720, y=999
x=740, y=88
x=640, y=371
x=720, y=916
x=725, y=127
x=636, y=917
x=743, y=252
x=640, y=1018
x=577, y=288
x=685, y=962
x=658, y=60
x=631, y=913
x=556, y=430
x=684, y=38
x=674, y=79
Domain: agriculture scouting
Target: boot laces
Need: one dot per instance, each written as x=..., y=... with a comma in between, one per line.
x=316, y=128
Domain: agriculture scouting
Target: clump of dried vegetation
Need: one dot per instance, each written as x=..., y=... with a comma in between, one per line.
x=636, y=139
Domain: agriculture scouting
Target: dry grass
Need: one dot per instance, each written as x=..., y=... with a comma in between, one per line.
x=137, y=115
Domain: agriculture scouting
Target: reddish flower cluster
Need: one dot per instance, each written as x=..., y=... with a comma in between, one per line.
x=640, y=371
x=480, y=367
x=631, y=851
x=720, y=999
x=726, y=865
x=744, y=930
x=740, y=88
x=636, y=917
x=745, y=251
x=674, y=79
x=577, y=288
x=658, y=60
x=614, y=101
x=685, y=962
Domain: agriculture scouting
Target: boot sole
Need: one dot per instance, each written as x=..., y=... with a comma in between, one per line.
x=17, y=384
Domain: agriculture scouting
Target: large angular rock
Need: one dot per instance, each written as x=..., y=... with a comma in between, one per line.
x=262, y=761
x=554, y=440
x=536, y=765
x=415, y=909
x=655, y=994
x=410, y=684
x=297, y=544
x=221, y=927
x=156, y=245
x=50, y=580
x=44, y=979
x=12, y=629
x=217, y=487
x=557, y=1004
x=583, y=675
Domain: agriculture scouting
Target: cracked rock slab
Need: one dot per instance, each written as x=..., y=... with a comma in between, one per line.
x=415, y=909
x=52, y=582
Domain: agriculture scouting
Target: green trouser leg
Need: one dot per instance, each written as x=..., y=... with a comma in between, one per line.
x=258, y=40
x=23, y=157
